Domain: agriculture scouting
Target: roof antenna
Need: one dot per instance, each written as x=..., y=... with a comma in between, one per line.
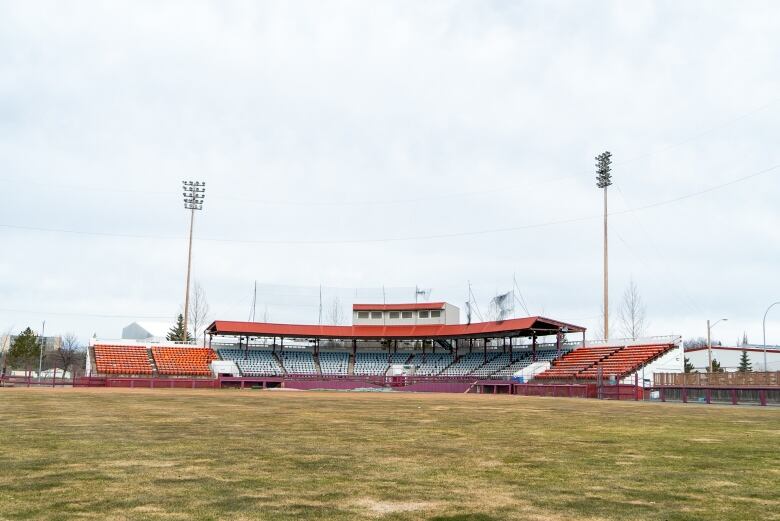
x=254, y=305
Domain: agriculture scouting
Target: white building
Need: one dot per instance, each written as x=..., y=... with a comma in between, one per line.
x=148, y=331
x=728, y=357
x=425, y=313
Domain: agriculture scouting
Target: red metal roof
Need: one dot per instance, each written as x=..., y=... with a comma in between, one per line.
x=512, y=327
x=398, y=307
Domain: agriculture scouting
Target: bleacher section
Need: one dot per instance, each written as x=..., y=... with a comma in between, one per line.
x=334, y=363
x=618, y=361
x=625, y=361
x=570, y=364
x=521, y=361
x=298, y=362
x=430, y=364
x=125, y=360
x=253, y=362
x=367, y=363
x=183, y=361
x=494, y=364
x=465, y=365
x=173, y=360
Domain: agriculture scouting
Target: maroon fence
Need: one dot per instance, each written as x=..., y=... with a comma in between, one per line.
x=560, y=390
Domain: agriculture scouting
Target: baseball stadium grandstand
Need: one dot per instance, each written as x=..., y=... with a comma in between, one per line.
x=404, y=346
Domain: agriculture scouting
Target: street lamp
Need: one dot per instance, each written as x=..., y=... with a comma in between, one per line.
x=193, y=192
x=709, y=340
x=766, y=367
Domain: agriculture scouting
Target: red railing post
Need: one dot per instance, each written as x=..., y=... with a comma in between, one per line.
x=636, y=386
x=733, y=397
x=762, y=396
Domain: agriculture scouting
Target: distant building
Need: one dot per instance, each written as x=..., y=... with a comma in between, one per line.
x=425, y=313
x=148, y=331
x=50, y=343
x=729, y=357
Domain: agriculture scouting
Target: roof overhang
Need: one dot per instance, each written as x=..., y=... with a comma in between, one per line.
x=516, y=327
x=398, y=307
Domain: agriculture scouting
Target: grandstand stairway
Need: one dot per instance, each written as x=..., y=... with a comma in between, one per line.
x=155, y=371
x=317, y=363
x=279, y=361
x=351, y=366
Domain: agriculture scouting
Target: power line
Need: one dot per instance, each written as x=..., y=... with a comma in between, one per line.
x=76, y=314
x=406, y=238
x=699, y=135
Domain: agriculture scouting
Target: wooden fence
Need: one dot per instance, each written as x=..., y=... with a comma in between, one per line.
x=769, y=379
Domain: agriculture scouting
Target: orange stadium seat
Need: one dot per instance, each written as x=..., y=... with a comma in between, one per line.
x=126, y=360
x=570, y=364
x=183, y=361
x=619, y=361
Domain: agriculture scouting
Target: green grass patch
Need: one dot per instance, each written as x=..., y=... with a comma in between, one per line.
x=185, y=454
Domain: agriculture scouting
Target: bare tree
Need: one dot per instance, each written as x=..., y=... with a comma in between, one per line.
x=632, y=313
x=70, y=351
x=199, y=310
x=335, y=314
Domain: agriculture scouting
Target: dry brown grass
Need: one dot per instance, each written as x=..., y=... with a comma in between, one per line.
x=182, y=454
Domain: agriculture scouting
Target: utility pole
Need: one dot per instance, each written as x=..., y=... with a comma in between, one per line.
x=193, y=192
x=42, y=348
x=604, y=180
x=709, y=341
x=763, y=325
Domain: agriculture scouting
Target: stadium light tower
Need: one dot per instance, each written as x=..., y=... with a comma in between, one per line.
x=604, y=180
x=194, y=192
x=766, y=367
x=709, y=341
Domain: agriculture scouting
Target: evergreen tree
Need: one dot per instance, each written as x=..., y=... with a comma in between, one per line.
x=744, y=363
x=176, y=333
x=716, y=368
x=25, y=350
x=688, y=365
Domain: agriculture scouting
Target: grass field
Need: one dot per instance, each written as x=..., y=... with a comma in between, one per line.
x=167, y=454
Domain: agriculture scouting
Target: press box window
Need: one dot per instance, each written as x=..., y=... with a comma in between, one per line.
x=406, y=314
x=436, y=314
x=362, y=314
x=376, y=314
x=394, y=314
x=423, y=314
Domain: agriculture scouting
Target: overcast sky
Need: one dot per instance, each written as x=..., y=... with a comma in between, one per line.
x=361, y=144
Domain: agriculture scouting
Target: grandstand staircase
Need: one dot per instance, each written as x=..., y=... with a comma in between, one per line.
x=351, y=364
x=454, y=361
x=445, y=344
x=316, y=358
x=155, y=371
x=279, y=361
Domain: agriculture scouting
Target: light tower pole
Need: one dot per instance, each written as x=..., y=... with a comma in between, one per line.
x=604, y=180
x=193, y=192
